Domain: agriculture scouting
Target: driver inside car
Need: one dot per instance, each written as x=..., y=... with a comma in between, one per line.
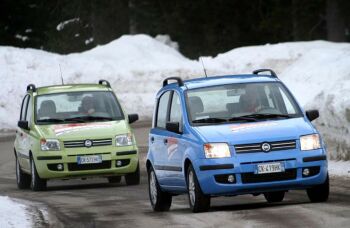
x=88, y=105
x=249, y=101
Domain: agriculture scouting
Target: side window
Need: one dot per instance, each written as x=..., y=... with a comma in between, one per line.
x=175, y=110
x=162, y=110
x=24, y=107
x=29, y=110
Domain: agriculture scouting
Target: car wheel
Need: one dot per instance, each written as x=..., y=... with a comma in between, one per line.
x=36, y=184
x=274, y=197
x=133, y=178
x=160, y=201
x=198, y=201
x=114, y=180
x=319, y=193
x=23, y=179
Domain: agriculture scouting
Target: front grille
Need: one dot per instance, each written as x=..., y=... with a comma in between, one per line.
x=257, y=147
x=77, y=167
x=289, y=174
x=81, y=143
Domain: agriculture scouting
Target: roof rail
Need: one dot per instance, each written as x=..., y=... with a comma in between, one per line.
x=178, y=79
x=273, y=74
x=104, y=82
x=31, y=87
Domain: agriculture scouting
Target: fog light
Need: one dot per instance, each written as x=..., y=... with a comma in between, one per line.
x=231, y=178
x=60, y=167
x=119, y=163
x=306, y=172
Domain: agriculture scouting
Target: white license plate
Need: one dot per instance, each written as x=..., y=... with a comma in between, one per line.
x=92, y=159
x=275, y=167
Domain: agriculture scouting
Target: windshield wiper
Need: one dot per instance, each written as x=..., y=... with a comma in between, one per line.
x=53, y=120
x=87, y=118
x=266, y=115
x=210, y=120
x=99, y=118
x=240, y=118
x=222, y=120
x=77, y=119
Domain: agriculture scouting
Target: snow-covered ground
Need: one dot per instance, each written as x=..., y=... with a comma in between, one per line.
x=339, y=168
x=316, y=72
x=13, y=214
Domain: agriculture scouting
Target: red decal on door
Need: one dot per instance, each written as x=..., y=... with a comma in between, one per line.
x=172, y=147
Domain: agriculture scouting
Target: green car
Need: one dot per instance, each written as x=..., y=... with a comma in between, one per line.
x=74, y=131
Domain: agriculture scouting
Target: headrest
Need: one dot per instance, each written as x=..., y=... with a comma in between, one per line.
x=196, y=104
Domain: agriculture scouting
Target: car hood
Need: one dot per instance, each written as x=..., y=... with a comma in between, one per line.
x=256, y=132
x=78, y=131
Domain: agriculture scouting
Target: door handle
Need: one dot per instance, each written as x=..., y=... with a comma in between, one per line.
x=165, y=141
x=152, y=139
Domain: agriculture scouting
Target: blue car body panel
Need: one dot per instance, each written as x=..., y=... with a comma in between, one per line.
x=169, y=152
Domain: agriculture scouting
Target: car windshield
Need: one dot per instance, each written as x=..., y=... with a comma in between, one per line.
x=77, y=107
x=240, y=103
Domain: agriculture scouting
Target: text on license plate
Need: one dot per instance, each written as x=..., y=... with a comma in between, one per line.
x=92, y=159
x=274, y=167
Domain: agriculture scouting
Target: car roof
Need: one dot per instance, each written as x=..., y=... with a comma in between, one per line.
x=222, y=80
x=71, y=88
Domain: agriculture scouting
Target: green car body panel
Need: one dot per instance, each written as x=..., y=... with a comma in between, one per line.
x=27, y=142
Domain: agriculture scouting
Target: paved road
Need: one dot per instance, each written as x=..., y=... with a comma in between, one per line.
x=95, y=203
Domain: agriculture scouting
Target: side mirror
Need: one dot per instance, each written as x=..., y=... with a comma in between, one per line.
x=23, y=124
x=173, y=127
x=133, y=118
x=312, y=114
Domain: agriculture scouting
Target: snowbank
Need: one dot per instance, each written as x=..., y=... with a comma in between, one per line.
x=13, y=214
x=316, y=72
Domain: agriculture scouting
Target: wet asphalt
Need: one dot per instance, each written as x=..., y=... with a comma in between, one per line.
x=95, y=203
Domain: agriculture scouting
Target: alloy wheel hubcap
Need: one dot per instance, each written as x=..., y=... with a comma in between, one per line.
x=153, y=188
x=191, y=188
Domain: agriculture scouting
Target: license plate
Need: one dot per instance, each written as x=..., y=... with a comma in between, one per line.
x=92, y=159
x=275, y=167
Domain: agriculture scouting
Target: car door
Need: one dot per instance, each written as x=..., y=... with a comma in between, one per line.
x=22, y=136
x=158, y=137
x=175, y=144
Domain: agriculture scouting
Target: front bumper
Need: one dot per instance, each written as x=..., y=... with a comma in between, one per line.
x=211, y=173
x=47, y=162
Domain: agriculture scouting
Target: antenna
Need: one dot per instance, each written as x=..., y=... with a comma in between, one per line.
x=61, y=74
x=205, y=72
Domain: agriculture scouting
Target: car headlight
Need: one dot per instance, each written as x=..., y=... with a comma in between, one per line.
x=50, y=144
x=123, y=140
x=310, y=142
x=216, y=150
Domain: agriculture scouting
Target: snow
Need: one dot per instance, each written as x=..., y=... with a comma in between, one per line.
x=20, y=37
x=316, y=72
x=61, y=25
x=339, y=168
x=13, y=214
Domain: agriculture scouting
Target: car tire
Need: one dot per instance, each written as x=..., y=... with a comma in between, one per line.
x=160, y=201
x=274, y=197
x=319, y=193
x=114, y=179
x=133, y=178
x=198, y=201
x=23, y=179
x=36, y=183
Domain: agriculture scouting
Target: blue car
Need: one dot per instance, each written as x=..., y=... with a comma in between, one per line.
x=233, y=135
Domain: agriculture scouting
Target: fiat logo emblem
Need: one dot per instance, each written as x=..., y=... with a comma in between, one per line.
x=266, y=147
x=88, y=143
